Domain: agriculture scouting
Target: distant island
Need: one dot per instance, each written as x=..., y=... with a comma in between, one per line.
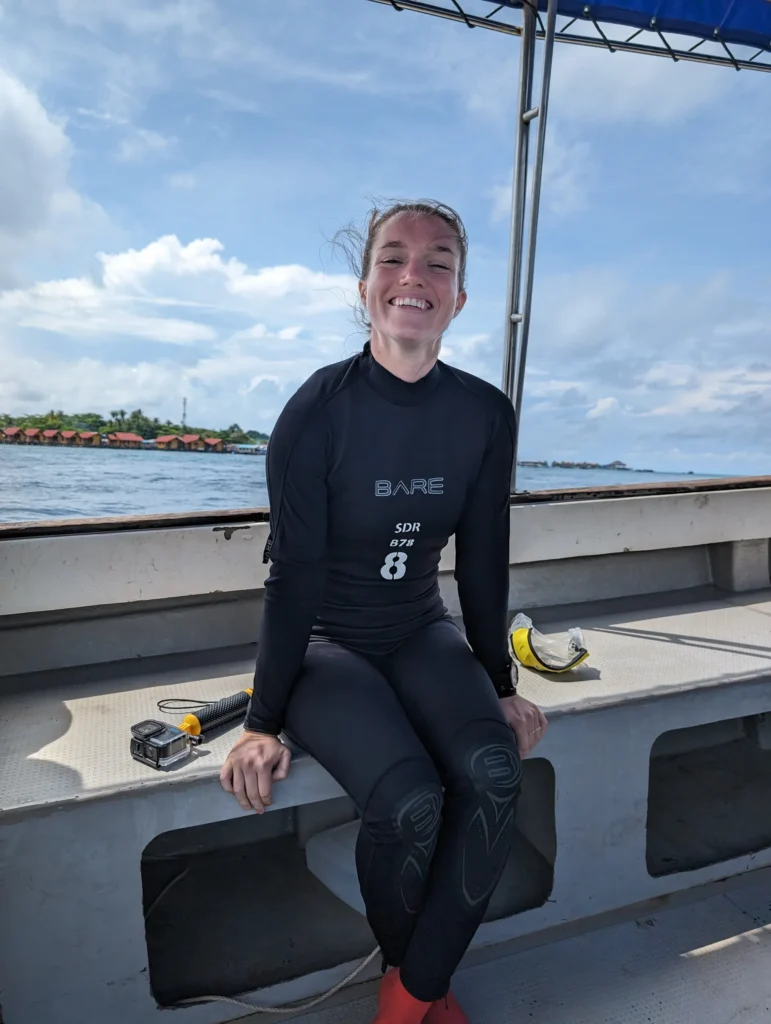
x=124, y=430
x=616, y=465
x=136, y=430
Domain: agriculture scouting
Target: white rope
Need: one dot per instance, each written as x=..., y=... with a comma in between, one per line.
x=298, y=1007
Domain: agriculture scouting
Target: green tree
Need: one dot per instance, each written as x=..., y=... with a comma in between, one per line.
x=136, y=422
x=140, y=424
x=88, y=421
x=235, y=435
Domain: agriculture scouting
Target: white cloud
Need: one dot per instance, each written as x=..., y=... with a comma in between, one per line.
x=254, y=333
x=190, y=296
x=261, y=378
x=469, y=344
x=83, y=384
x=602, y=407
x=225, y=381
x=716, y=390
x=38, y=206
x=141, y=143
x=138, y=287
x=35, y=159
x=232, y=101
x=79, y=308
x=312, y=291
x=136, y=143
x=315, y=290
x=132, y=269
x=670, y=375
x=101, y=116
x=289, y=333
x=659, y=361
x=116, y=322
x=634, y=320
x=140, y=18
x=198, y=33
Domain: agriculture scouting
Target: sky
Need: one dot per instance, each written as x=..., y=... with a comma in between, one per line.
x=173, y=172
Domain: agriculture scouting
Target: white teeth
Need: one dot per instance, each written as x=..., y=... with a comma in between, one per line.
x=418, y=303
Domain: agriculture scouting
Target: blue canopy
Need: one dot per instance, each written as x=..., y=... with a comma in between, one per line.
x=744, y=22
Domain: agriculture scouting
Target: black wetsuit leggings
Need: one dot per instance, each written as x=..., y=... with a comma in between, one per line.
x=417, y=738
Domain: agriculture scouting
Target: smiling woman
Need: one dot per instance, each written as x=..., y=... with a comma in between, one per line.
x=385, y=265
x=359, y=660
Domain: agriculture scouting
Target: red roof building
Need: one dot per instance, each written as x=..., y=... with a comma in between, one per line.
x=192, y=442
x=88, y=437
x=167, y=442
x=213, y=444
x=124, y=439
x=49, y=436
x=12, y=433
x=32, y=435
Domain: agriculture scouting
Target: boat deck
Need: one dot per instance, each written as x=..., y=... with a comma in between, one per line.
x=660, y=667
x=64, y=734
x=704, y=962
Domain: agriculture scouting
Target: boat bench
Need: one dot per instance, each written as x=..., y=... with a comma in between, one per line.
x=690, y=683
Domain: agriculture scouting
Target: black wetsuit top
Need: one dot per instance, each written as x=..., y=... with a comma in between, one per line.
x=368, y=477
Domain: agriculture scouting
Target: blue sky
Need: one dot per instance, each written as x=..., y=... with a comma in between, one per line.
x=173, y=171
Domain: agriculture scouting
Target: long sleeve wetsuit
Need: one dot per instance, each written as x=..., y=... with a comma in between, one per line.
x=358, y=659
x=368, y=477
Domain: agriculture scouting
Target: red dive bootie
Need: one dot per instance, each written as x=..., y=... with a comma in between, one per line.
x=395, y=1005
x=446, y=1011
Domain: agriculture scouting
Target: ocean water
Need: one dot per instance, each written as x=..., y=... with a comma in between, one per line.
x=75, y=483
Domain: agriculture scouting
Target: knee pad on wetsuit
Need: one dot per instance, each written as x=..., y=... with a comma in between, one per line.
x=405, y=810
x=485, y=754
x=486, y=779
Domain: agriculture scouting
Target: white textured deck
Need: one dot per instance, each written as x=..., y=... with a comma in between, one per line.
x=72, y=741
x=671, y=650
x=703, y=963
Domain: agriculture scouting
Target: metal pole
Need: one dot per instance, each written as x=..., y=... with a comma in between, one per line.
x=471, y=20
x=518, y=200
x=548, y=54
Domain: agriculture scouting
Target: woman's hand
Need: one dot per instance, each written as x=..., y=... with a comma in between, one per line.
x=256, y=761
x=528, y=722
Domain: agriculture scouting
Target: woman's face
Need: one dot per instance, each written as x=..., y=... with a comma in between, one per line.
x=411, y=293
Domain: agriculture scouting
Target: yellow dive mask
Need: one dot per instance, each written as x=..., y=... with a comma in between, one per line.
x=558, y=653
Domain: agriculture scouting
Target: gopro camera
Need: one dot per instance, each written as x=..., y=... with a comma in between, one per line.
x=158, y=744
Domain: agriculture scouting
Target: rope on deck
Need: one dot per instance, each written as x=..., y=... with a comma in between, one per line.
x=295, y=1008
